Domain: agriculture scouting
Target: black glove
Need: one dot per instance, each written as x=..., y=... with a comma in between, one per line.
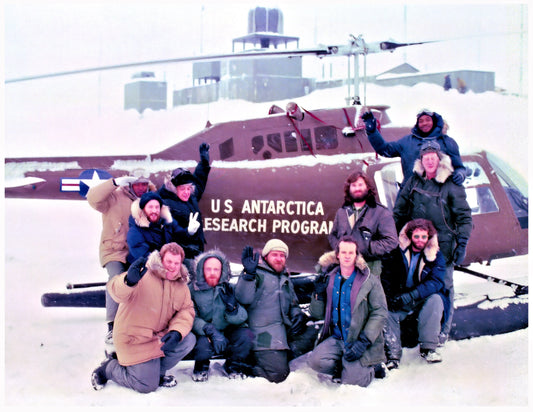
x=204, y=153
x=249, y=260
x=136, y=271
x=218, y=340
x=227, y=294
x=370, y=122
x=458, y=176
x=170, y=340
x=321, y=285
x=405, y=301
x=355, y=350
x=459, y=253
x=299, y=323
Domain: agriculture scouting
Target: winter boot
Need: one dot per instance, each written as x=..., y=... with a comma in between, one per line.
x=167, y=381
x=430, y=355
x=200, y=372
x=234, y=370
x=392, y=364
x=109, y=335
x=380, y=371
x=99, y=377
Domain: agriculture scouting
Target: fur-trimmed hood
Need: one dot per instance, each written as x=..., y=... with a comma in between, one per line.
x=431, y=249
x=444, y=170
x=155, y=265
x=329, y=259
x=198, y=278
x=140, y=217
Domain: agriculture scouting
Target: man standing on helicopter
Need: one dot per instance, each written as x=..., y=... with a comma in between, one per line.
x=430, y=126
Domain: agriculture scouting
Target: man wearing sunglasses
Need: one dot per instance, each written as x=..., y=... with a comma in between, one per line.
x=415, y=291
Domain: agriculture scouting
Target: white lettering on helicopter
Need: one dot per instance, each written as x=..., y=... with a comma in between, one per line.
x=280, y=207
x=264, y=225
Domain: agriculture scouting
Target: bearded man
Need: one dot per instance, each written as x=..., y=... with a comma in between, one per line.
x=370, y=223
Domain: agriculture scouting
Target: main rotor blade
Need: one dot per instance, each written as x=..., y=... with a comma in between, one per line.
x=357, y=46
x=259, y=53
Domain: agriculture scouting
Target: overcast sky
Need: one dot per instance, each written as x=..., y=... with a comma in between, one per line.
x=46, y=36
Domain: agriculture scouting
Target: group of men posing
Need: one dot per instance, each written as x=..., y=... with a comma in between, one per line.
x=167, y=298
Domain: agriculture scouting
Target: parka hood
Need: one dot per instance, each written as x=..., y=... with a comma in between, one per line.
x=437, y=130
x=444, y=170
x=142, y=220
x=198, y=278
x=155, y=265
x=431, y=249
x=330, y=258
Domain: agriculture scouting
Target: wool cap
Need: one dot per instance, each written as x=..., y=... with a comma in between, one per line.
x=150, y=196
x=431, y=146
x=182, y=176
x=277, y=245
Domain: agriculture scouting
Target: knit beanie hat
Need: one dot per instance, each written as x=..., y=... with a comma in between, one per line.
x=150, y=196
x=277, y=245
x=431, y=146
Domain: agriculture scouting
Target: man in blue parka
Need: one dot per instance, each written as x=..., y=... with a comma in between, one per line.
x=415, y=289
x=429, y=126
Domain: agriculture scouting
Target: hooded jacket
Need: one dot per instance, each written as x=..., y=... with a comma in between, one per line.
x=408, y=147
x=428, y=280
x=368, y=308
x=208, y=304
x=181, y=210
x=148, y=310
x=271, y=304
x=114, y=203
x=144, y=236
x=438, y=200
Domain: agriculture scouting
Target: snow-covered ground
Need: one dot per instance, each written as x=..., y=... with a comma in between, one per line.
x=50, y=352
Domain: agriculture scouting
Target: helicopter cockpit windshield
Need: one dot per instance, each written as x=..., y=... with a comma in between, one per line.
x=515, y=187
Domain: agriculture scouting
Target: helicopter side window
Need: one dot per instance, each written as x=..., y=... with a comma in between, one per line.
x=226, y=149
x=307, y=144
x=388, y=181
x=478, y=191
x=274, y=141
x=257, y=144
x=291, y=145
x=326, y=137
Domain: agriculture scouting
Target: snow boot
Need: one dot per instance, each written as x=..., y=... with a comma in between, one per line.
x=430, y=355
x=392, y=364
x=200, y=372
x=234, y=370
x=167, y=381
x=99, y=377
x=380, y=371
x=109, y=335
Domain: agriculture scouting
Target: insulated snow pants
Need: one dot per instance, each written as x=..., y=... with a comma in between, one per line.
x=328, y=358
x=144, y=377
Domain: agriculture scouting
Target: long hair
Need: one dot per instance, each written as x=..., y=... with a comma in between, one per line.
x=371, y=197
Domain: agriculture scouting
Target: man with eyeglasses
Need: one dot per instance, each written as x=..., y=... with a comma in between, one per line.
x=415, y=291
x=429, y=127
